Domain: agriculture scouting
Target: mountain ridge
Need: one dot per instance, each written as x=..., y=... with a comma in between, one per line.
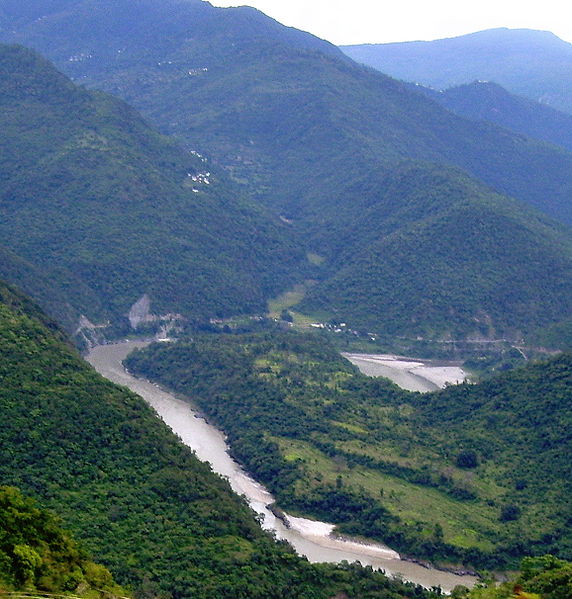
x=318, y=141
x=442, y=264
x=527, y=62
x=266, y=107
x=491, y=102
x=119, y=211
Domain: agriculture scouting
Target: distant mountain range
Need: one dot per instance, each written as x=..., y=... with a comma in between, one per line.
x=530, y=63
x=278, y=107
x=377, y=180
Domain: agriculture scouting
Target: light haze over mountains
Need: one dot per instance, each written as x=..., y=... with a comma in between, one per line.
x=534, y=64
x=172, y=168
x=319, y=142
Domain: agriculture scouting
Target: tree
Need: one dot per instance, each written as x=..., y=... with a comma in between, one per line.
x=467, y=459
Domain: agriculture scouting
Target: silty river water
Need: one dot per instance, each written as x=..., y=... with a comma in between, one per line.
x=308, y=537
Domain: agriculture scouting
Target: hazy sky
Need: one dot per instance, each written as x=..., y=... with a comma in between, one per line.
x=371, y=21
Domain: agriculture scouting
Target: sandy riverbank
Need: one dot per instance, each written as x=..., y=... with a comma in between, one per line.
x=310, y=538
x=409, y=373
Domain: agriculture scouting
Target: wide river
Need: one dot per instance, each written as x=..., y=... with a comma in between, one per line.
x=309, y=538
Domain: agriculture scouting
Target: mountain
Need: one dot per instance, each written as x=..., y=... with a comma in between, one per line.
x=36, y=283
x=283, y=111
x=534, y=64
x=133, y=495
x=439, y=256
x=321, y=142
x=155, y=21
x=490, y=102
x=114, y=213
x=476, y=474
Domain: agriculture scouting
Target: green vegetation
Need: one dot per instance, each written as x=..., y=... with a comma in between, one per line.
x=110, y=210
x=37, y=555
x=473, y=474
x=544, y=577
x=45, y=290
x=486, y=101
x=134, y=496
x=343, y=179
x=444, y=264
x=357, y=164
x=286, y=300
x=284, y=111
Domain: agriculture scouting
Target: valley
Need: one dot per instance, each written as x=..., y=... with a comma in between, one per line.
x=362, y=288
x=309, y=538
x=384, y=463
x=123, y=484
x=417, y=226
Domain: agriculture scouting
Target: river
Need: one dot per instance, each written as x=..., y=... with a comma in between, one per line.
x=409, y=373
x=309, y=538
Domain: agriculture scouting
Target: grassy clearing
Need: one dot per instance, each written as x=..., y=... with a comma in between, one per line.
x=464, y=523
x=286, y=300
x=291, y=298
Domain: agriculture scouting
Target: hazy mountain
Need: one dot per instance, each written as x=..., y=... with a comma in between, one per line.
x=323, y=141
x=111, y=211
x=45, y=289
x=530, y=63
x=280, y=109
x=484, y=101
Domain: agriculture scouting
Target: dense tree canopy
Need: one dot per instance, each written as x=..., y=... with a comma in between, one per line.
x=474, y=473
x=136, y=498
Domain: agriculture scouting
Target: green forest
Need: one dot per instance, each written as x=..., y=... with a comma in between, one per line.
x=277, y=184
x=135, y=498
x=36, y=554
x=420, y=217
x=108, y=210
x=441, y=264
x=544, y=577
x=475, y=474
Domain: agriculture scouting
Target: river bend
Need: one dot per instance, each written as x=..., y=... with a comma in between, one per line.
x=309, y=538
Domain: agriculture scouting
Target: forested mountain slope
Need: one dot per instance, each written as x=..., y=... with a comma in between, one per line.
x=475, y=473
x=530, y=63
x=279, y=108
x=45, y=290
x=38, y=557
x=328, y=145
x=434, y=254
x=486, y=101
x=544, y=577
x=136, y=498
x=110, y=210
